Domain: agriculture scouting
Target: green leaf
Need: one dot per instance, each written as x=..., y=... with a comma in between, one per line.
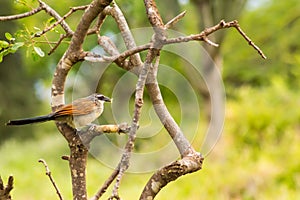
x=3, y=44
x=39, y=51
x=37, y=28
x=51, y=21
x=34, y=56
x=9, y=36
x=16, y=46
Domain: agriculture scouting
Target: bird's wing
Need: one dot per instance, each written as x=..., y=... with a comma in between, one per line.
x=75, y=109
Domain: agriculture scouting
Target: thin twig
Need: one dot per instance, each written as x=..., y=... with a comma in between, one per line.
x=205, y=39
x=23, y=15
x=48, y=173
x=237, y=26
x=120, y=57
x=100, y=21
x=107, y=183
x=173, y=21
x=59, y=21
x=203, y=35
x=54, y=14
x=61, y=38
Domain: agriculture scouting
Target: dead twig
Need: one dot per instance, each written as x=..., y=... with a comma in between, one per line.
x=5, y=190
x=173, y=21
x=48, y=173
x=203, y=35
x=250, y=42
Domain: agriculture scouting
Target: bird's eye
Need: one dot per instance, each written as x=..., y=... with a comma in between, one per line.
x=99, y=96
x=103, y=98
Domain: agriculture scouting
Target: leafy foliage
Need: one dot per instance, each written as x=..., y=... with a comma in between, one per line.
x=9, y=46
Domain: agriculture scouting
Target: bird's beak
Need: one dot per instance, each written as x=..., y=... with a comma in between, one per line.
x=106, y=99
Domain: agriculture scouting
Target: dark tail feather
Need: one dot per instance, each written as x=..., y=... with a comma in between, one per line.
x=17, y=122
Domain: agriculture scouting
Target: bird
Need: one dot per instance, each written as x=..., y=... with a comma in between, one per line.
x=79, y=113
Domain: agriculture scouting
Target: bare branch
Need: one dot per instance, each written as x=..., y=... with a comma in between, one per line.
x=183, y=145
x=99, y=23
x=48, y=173
x=171, y=172
x=93, y=130
x=124, y=163
x=205, y=39
x=54, y=14
x=78, y=151
x=61, y=38
x=107, y=183
x=117, y=14
x=23, y=15
x=203, y=35
x=120, y=57
x=237, y=26
x=59, y=21
x=5, y=190
x=108, y=45
x=173, y=21
x=157, y=24
x=153, y=14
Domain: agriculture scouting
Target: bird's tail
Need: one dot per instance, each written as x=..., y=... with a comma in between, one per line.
x=32, y=120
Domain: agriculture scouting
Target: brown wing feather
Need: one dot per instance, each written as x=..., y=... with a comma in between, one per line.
x=77, y=108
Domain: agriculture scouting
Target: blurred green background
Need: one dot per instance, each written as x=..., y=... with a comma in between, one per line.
x=258, y=154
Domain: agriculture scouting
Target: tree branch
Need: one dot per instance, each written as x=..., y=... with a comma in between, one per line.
x=203, y=35
x=173, y=21
x=171, y=172
x=117, y=14
x=54, y=14
x=78, y=151
x=48, y=173
x=93, y=130
x=60, y=21
x=153, y=52
x=5, y=190
x=20, y=16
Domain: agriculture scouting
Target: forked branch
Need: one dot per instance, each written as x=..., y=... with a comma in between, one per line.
x=6, y=189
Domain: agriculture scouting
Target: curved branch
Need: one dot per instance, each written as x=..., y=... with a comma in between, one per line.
x=20, y=16
x=183, y=145
x=117, y=14
x=169, y=173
